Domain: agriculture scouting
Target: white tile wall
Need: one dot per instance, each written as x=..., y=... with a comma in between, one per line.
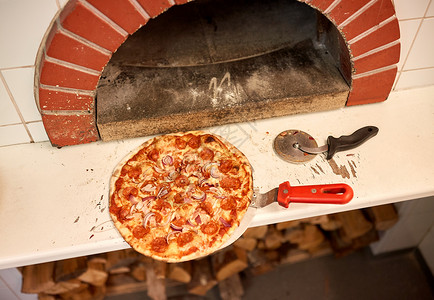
x=24, y=22
x=10, y=286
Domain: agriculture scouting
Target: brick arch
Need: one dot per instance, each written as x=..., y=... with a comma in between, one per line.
x=82, y=38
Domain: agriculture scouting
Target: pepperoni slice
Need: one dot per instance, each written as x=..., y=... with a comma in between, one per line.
x=182, y=181
x=225, y=166
x=230, y=183
x=125, y=169
x=179, y=221
x=154, y=154
x=178, y=199
x=194, y=142
x=130, y=191
x=184, y=238
x=159, y=245
x=210, y=228
x=228, y=203
x=119, y=183
x=207, y=207
x=180, y=143
x=140, y=231
x=206, y=154
x=135, y=172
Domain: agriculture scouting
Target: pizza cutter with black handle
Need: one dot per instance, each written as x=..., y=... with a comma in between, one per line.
x=342, y=143
x=339, y=193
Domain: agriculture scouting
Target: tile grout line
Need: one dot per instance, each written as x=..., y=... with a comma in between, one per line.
x=6, y=283
x=140, y=9
x=331, y=6
x=106, y=19
x=67, y=90
x=411, y=45
x=72, y=66
x=20, y=115
x=372, y=72
x=375, y=50
x=371, y=30
x=14, y=124
x=19, y=67
x=357, y=14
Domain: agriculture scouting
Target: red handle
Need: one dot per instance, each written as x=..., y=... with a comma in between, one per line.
x=339, y=193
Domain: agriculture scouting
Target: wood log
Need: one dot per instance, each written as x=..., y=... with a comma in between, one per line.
x=316, y=220
x=231, y=288
x=80, y=293
x=321, y=250
x=120, y=270
x=273, y=239
x=288, y=224
x=354, y=223
x=121, y=258
x=180, y=272
x=256, y=232
x=340, y=244
x=229, y=262
x=98, y=292
x=366, y=239
x=202, y=279
x=123, y=284
x=383, y=216
x=246, y=243
x=138, y=271
x=95, y=274
x=42, y=296
x=293, y=235
x=69, y=268
x=155, y=285
x=295, y=255
x=333, y=223
x=37, y=278
x=312, y=237
x=63, y=287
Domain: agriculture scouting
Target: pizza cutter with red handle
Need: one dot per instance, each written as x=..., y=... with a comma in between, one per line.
x=339, y=193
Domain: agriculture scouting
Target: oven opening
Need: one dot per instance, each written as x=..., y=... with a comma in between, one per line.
x=208, y=63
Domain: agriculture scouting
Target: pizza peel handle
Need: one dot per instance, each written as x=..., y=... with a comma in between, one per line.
x=339, y=193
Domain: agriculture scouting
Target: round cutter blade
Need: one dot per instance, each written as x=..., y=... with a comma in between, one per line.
x=284, y=146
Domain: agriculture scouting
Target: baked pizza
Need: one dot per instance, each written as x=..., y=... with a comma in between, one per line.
x=180, y=196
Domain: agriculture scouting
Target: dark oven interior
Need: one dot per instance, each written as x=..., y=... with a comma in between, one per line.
x=208, y=63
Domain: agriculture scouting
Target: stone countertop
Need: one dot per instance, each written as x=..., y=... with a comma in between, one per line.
x=54, y=202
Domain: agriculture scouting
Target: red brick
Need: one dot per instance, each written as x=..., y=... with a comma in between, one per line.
x=321, y=5
x=155, y=7
x=60, y=76
x=382, y=36
x=83, y=22
x=66, y=130
x=122, y=12
x=60, y=100
x=383, y=58
x=346, y=9
x=374, y=15
x=71, y=50
x=373, y=88
x=181, y=1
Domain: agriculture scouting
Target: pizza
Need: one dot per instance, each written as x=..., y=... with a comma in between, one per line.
x=179, y=197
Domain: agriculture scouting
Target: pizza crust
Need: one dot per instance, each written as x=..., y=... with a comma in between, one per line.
x=174, y=252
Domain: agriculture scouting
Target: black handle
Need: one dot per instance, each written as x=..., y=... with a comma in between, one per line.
x=347, y=142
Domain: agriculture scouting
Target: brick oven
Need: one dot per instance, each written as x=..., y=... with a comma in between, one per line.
x=356, y=40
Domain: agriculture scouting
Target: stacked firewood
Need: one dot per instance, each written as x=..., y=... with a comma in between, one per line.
x=259, y=250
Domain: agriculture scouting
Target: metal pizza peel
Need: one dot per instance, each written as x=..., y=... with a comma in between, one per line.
x=339, y=193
